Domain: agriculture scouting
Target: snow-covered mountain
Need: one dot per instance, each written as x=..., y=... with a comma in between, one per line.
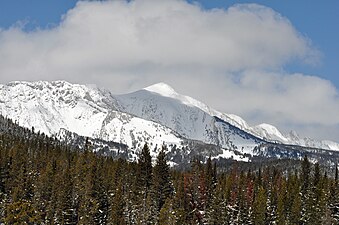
x=187, y=116
x=263, y=131
x=156, y=114
x=84, y=110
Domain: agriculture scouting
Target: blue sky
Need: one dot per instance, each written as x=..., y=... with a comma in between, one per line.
x=317, y=20
x=270, y=62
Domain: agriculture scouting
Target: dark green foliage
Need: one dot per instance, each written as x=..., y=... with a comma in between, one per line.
x=118, y=206
x=43, y=181
x=259, y=207
x=333, y=203
x=145, y=168
x=167, y=214
x=162, y=187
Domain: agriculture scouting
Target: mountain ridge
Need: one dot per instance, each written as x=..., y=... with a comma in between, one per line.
x=79, y=108
x=265, y=131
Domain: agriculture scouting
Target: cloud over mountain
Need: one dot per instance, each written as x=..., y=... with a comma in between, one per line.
x=232, y=59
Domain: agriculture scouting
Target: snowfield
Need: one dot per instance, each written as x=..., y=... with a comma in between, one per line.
x=156, y=115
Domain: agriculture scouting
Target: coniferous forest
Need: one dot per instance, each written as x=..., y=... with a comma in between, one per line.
x=43, y=181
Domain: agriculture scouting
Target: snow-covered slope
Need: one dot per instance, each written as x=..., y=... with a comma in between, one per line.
x=160, y=103
x=167, y=91
x=155, y=114
x=262, y=131
x=84, y=110
x=270, y=132
x=188, y=121
x=51, y=106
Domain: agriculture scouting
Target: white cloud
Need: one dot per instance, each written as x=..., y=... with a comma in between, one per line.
x=220, y=56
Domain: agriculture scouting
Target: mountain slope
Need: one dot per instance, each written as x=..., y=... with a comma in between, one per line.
x=72, y=112
x=51, y=106
x=181, y=114
x=86, y=111
x=262, y=131
x=156, y=114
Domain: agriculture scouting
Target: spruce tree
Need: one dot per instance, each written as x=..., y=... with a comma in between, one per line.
x=118, y=205
x=216, y=212
x=162, y=187
x=334, y=197
x=181, y=200
x=317, y=197
x=306, y=198
x=145, y=168
x=66, y=198
x=281, y=202
x=143, y=185
x=259, y=207
x=22, y=212
x=167, y=214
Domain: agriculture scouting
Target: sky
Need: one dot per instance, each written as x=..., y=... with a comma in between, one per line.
x=267, y=61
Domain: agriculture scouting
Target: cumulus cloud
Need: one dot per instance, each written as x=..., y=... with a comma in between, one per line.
x=229, y=58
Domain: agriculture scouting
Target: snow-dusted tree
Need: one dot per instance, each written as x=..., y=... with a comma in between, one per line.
x=334, y=197
x=161, y=183
x=259, y=207
x=167, y=214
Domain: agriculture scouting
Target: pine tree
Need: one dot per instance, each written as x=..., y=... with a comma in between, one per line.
x=145, y=168
x=281, y=202
x=306, y=198
x=162, y=188
x=4, y=170
x=210, y=176
x=167, y=214
x=86, y=202
x=21, y=212
x=317, y=197
x=118, y=206
x=45, y=182
x=334, y=197
x=181, y=200
x=243, y=210
x=100, y=193
x=66, y=198
x=259, y=207
x=305, y=174
x=195, y=189
x=45, y=193
x=216, y=211
x=143, y=184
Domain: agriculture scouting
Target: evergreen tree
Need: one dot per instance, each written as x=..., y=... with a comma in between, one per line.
x=66, y=197
x=87, y=204
x=305, y=174
x=259, y=207
x=145, y=168
x=143, y=185
x=281, y=202
x=167, y=214
x=216, y=211
x=162, y=188
x=118, y=206
x=21, y=212
x=334, y=198
x=306, y=198
x=295, y=214
x=181, y=200
x=43, y=181
x=45, y=193
x=210, y=176
x=317, y=197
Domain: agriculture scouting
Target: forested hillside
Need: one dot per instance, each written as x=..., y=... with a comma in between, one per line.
x=43, y=181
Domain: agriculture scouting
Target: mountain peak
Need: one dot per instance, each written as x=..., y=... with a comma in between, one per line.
x=162, y=89
x=270, y=132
